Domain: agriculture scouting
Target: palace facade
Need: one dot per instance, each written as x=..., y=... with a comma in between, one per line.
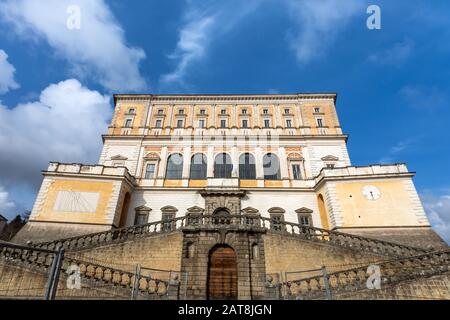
x=279, y=157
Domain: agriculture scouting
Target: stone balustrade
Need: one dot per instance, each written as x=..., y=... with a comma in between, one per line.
x=77, y=168
x=362, y=171
x=43, y=258
x=352, y=280
x=350, y=241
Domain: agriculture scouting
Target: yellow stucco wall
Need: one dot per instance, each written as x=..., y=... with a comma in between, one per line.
x=393, y=208
x=99, y=217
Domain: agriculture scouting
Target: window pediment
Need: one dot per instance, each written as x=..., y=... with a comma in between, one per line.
x=277, y=210
x=330, y=158
x=250, y=210
x=295, y=156
x=119, y=157
x=152, y=156
x=304, y=211
x=169, y=209
x=142, y=208
x=195, y=210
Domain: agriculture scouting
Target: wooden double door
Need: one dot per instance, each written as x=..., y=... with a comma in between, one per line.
x=222, y=274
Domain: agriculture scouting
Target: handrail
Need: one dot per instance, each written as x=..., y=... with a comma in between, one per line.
x=309, y=233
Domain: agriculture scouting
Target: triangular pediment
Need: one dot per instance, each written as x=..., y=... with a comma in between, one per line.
x=304, y=210
x=169, y=209
x=330, y=158
x=152, y=156
x=195, y=210
x=250, y=210
x=142, y=208
x=276, y=210
x=119, y=157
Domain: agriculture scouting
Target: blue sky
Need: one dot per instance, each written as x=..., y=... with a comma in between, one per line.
x=393, y=84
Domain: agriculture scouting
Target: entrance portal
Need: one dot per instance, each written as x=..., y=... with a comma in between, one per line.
x=222, y=274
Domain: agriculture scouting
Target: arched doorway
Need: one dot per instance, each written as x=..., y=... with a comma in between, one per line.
x=222, y=274
x=124, y=212
x=323, y=213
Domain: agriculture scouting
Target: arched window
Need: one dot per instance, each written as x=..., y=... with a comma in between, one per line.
x=174, y=167
x=198, y=166
x=247, y=169
x=271, y=166
x=223, y=166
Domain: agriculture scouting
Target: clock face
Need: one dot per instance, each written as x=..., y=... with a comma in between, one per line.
x=371, y=193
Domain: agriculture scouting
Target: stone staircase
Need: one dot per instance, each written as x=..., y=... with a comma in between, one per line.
x=95, y=276
x=306, y=233
x=348, y=283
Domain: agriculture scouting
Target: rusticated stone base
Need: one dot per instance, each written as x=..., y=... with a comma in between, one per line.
x=420, y=237
x=37, y=231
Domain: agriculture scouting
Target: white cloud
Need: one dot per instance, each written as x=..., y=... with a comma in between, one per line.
x=98, y=50
x=7, y=71
x=6, y=204
x=396, y=55
x=424, y=97
x=203, y=23
x=438, y=210
x=64, y=125
x=397, y=149
x=318, y=23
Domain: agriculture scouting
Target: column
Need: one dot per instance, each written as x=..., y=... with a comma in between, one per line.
x=162, y=163
x=210, y=164
x=259, y=163
x=235, y=161
x=186, y=162
x=283, y=163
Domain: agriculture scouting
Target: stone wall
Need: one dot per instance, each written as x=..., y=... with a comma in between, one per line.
x=433, y=288
x=36, y=231
x=155, y=252
x=27, y=282
x=424, y=237
x=286, y=253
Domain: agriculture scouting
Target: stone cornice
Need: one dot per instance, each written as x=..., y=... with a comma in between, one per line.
x=224, y=98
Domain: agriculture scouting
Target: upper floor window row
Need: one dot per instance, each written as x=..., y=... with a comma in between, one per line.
x=223, y=167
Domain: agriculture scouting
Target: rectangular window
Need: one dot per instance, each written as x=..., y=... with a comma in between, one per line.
x=202, y=111
x=132, y=111
x=244, y=111
x=160, y=111
x=201, y=123
x=141, y=218
x=180, y=124
x=288, y=123
x=304, y=220
x=168, y=224
x=223, y=123
x=276, y=222
x=150, y=171
x=265, y=111
x=316, y=110
x=286, y=111
x=320, y=123
x=330, y=165
x=266, y=123
x=296, y=173
x=244, y=123
x=128, y=123
x=181, y=111
x=158, y=124
x=223, y=111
